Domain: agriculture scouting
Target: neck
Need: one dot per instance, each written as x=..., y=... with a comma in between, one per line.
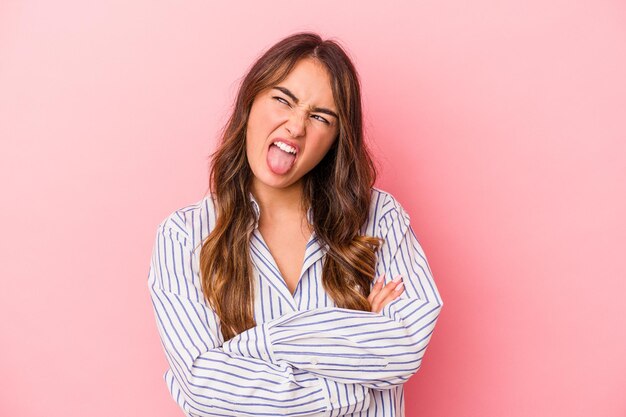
x=276, y=203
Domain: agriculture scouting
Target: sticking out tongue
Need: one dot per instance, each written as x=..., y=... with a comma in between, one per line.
x=279, y=161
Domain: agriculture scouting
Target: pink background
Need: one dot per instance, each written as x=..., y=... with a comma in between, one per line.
x=499, y=125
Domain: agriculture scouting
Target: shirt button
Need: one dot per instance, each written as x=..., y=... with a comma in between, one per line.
x=313, y=361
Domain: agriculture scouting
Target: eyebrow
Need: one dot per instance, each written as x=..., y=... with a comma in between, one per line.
x=296, y=100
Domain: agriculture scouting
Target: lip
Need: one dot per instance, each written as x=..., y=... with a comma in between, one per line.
x=288, y=142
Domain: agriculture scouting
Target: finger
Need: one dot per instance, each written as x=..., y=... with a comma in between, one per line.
x=378, y=284
x=387, y=288
x=380, y=304
x=385, y=291
x=392, y=295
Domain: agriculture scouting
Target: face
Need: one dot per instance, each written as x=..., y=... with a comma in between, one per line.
x=300, y=112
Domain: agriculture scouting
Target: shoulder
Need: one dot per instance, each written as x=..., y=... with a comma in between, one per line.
x=385, y=203
x=192, y=221
x=385, y=209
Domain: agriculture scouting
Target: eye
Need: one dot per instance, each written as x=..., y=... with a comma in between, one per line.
x=281, y=100
x=321, y=119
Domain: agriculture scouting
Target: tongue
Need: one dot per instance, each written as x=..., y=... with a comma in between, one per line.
x=279, y=161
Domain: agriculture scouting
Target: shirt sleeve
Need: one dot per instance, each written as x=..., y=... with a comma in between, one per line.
x=207, y=380
x=375, y=350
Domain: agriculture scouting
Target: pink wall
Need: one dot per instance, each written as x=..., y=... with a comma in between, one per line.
x=500, y=126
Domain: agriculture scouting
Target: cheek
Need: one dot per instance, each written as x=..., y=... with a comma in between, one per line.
x=321, y=148
x=254, y=129
x=262, y=121
x=271, y=110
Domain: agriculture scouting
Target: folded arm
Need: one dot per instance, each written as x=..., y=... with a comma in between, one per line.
x=373, y=350
x=210, y=381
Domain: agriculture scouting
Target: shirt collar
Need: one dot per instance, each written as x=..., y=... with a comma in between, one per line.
x=257, y=211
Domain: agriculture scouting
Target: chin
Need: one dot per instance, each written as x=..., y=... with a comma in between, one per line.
x=270, y=179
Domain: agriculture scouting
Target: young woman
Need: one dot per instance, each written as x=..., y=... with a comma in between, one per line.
x=294, y=287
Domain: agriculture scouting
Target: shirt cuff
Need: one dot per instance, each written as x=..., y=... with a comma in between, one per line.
x=344, y=398
x=322, y=350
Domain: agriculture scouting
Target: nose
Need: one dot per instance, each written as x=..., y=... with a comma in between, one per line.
x=296, y=124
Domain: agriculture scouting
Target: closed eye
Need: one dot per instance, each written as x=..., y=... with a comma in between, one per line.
x=315, y=116
x=281, y=100
x=321, y=119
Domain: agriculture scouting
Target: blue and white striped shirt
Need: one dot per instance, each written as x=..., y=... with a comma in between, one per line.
x=305, y=357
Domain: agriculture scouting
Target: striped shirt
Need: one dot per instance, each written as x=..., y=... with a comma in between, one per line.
x=305, y=356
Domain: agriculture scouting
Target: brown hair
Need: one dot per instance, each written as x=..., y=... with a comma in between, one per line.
x=337, y=189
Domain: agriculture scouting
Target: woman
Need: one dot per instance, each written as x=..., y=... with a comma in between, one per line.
x=295, y=287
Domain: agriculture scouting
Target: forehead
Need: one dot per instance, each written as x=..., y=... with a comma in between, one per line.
x=310, y=81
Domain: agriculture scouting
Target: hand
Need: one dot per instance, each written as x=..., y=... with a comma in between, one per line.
x=381, y=295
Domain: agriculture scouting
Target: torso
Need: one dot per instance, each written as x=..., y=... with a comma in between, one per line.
x=287, y=243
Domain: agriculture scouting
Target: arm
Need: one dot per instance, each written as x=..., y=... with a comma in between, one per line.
x=373, y=350
x=211, y=381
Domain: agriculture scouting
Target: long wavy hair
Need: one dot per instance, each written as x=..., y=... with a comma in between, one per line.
x=338, y=190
